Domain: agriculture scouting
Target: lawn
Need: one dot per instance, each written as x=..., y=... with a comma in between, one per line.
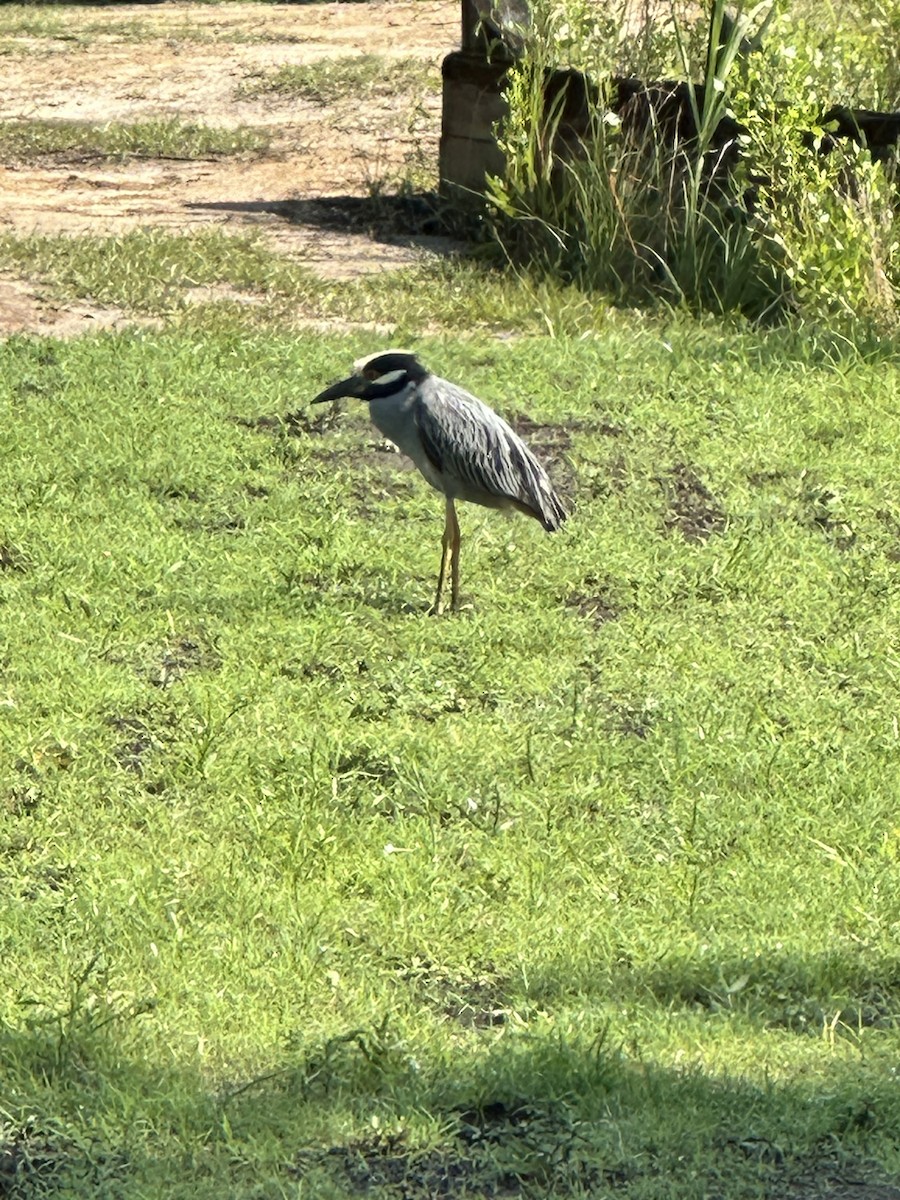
x=591, y=889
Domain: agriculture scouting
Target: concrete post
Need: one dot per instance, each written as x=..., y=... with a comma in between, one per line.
x=473, y=103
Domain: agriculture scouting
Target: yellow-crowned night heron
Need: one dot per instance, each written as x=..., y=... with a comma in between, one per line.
x=459, y=444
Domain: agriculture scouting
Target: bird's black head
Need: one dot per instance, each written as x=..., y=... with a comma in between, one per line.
x=377, y=376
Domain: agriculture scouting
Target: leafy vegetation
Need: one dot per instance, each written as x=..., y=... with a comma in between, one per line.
x=21, y=141
x=642, y=207
x=594, y=886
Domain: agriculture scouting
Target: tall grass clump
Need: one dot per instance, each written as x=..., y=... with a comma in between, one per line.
x=735, y=209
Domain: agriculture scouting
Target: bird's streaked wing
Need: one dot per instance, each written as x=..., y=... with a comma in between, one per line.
x=465, y=439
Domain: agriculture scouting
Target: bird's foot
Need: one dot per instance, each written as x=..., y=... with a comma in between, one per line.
x=440, y=609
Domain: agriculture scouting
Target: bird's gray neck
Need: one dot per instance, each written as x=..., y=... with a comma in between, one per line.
x=393, y=416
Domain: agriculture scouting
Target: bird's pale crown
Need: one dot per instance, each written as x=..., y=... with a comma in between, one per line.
x=388, y=366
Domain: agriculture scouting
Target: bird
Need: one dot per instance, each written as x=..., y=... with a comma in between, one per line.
x=460, y=445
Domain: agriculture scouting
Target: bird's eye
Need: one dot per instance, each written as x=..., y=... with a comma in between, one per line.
x=370, y=373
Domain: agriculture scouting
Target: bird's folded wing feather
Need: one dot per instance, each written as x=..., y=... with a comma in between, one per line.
x=464, y=438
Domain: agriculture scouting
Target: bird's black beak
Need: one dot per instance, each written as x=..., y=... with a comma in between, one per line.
x=353, y=386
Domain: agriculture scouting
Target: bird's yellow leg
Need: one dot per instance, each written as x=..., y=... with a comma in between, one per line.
x=453, y=525
x=446, y=552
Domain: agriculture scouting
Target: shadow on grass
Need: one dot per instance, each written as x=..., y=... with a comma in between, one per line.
x=503, y=1110
x=546, y=1117
x=824, y=993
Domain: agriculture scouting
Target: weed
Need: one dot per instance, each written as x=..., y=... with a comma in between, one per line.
x=332, y=80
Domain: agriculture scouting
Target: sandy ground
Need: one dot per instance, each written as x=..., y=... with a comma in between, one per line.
x=129, y=63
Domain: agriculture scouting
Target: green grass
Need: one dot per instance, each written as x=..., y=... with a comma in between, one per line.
x=591, y=888
x=23, y=141
x=27, y=20
x=147, y=270
x=345, y=78
x=151, y=271
x=62, y=22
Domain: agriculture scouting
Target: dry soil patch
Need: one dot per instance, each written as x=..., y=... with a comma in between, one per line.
x=131, y=63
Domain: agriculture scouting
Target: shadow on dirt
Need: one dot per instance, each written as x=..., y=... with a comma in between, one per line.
x=414, y=219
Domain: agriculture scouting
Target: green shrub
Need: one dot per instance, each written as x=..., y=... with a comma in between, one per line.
x=641, y=214
x=826, y=222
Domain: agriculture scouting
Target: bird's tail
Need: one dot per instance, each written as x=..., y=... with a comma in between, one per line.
x=552, y=514
x=536, y=493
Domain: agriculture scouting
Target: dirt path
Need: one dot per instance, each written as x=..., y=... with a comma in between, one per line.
x=132, y=63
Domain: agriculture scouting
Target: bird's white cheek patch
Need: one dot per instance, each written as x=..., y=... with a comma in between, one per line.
x=389, y=377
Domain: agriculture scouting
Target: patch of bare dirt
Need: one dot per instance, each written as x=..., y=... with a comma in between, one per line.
x=12, y=558
x=596, y=606
x=550, y=444
x=133, y=62
x=177, y=657
x=474, y=1001
x=691, y=508
x=23, y=309
x=498, y=1151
